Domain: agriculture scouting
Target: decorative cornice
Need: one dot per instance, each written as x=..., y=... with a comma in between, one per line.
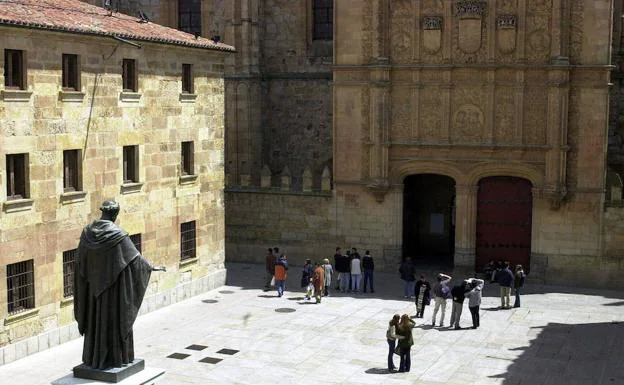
x=470, y=8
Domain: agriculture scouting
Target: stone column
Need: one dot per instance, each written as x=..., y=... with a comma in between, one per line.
x=465, y=225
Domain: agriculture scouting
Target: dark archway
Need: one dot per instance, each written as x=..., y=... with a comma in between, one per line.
x=429, y=218
x=504, y=212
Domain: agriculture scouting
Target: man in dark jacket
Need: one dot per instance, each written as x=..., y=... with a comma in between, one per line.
x=459, y=294
x=505, y=279
x=368, y=265
x=408, y=275
x=337, y=262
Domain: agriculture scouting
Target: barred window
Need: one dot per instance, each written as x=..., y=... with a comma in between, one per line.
x=187, y=156
x=69, y=268
x=14, y=69
x=136, y=239
x=322, y=14
x=20, y=286
x=187, y=240
x=72, y=176
x=189, y=16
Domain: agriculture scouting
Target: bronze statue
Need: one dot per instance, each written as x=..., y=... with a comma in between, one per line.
x=109, y=284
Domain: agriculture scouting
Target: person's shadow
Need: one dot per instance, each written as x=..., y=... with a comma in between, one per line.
x=377, y=371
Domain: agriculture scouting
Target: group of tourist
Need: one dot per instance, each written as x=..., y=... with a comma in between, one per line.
x=399, y=332
x=355, y=272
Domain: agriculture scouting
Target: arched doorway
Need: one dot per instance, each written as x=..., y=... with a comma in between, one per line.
x=504, y=211
x=429, y=218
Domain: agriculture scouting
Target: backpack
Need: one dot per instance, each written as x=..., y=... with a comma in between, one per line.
x=445, y=292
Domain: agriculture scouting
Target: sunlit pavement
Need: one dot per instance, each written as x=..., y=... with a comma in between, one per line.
x=242, y=335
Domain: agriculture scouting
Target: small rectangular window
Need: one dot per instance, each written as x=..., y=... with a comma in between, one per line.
x=69, y=268
x=130, y=164
x=136, y=240
x=72, y=174
x=17, y=176
x=129, y=75
x=189, y=16
x=323, y=19
x=187, y=240
x=71, y=73
x=14, y=69
x=187, y=158
x=187, y=79
x=20, y=286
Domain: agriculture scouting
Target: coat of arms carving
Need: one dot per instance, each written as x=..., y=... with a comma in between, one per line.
x=470, y=15
x=432, y=33
x=506, y=33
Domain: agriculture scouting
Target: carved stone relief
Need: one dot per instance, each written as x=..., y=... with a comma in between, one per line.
x=467, y=124
x=401, y=112
x=505, y=117
x=470, y=16
x=402, y=26
x=576, y=31
x=506, y=26
x=430, y=114
x=538, y=31
x=432, y=33
x=535, y=115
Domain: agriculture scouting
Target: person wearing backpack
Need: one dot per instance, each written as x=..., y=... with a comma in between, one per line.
x=441, y=293
x=518, y=283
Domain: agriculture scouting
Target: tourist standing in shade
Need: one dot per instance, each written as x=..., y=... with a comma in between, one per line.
x=474, y=299
x=405, y=344
x=337, y=265
x=368, y=265
x=392, y=337
x=269, y=267
x=408, y=275
x=306, y=276
x=519, y=278
x=281, y=268
x=329, y=272
x=459, y=294
x=423, y=295
x=356, y=272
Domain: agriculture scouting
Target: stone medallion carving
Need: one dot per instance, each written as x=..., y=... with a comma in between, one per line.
x=539, y=40
x=468, y=121
x=506, y=33
x=470, y=15
x=432, y=33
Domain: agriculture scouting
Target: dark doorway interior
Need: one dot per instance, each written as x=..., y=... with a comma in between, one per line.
x=429, y=218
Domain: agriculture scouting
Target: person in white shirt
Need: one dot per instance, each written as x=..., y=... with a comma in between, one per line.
x=474, y=299
x=356, y=273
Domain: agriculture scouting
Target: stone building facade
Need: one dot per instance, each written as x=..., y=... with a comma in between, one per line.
x=130, y=111
x=452, y=131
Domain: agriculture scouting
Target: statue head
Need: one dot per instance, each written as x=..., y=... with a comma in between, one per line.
x=109, y=209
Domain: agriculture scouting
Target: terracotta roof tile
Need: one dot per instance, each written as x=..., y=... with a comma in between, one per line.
x=78, y=17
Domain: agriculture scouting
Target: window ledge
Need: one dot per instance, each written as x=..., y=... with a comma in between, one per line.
x=188, y=98
x=67, y=301
x=21, y=316
x=188, y=179
x=17, y=205
x=127, y=96
x=188, y=262
x=133, y=187
x=73, y=197
x=71, y=96
x=16, y=95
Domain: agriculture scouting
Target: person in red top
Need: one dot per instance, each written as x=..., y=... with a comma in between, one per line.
x=281, y=266
x=269, y=267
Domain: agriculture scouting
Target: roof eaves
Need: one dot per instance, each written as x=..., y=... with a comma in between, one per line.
x=24, y=24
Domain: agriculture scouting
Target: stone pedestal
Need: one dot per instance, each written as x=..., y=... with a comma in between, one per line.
x=147, y=376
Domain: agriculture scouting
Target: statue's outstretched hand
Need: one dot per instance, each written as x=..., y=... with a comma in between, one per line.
x=159, y=268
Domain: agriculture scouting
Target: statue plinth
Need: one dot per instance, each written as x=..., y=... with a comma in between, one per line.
x=109, y=375
x=140, y=375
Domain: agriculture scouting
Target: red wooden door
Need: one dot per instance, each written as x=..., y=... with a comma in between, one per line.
x=504, y=206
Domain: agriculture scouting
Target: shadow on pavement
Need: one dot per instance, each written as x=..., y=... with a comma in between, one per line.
x=569, y=354
x=377, y=371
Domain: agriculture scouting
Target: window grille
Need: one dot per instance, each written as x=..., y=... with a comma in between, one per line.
x=322, y=14
x=189, y=16
x=20, y=286
x=187, y=240
x=69, y=268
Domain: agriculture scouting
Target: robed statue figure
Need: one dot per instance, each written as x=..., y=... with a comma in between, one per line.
x=110, y=281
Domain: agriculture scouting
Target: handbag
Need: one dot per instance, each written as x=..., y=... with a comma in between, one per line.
x=397, y=350
x=273, y=281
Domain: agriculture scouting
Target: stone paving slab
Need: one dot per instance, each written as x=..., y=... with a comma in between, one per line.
x=560, y=336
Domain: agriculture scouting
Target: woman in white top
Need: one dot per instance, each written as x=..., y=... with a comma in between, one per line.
x=356, y=273
x=392, y=337
x=474, y=299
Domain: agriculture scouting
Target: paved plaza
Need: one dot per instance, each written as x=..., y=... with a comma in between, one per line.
x=239, y=334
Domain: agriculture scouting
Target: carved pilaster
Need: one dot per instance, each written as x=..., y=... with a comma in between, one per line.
x=416, y=43
x=519, y=98
x=415, y=110
x=448, y=31
x=490, y=120
x=522, y=15
x=465, y=224
x=445, y=132
x=491, y=30
x=380, y=29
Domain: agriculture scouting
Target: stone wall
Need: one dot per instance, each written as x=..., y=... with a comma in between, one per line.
x=98, y=120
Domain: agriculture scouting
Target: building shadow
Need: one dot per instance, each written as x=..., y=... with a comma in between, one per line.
x=588, y=354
